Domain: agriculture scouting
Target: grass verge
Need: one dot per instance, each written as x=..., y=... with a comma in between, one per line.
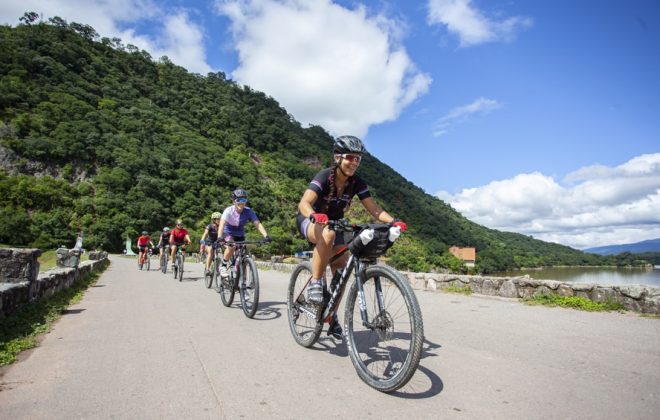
x=21, y=330
x=464, y=290
x=48, y=260
x=575, y=302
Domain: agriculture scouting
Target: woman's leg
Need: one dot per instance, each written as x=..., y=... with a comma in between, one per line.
x=324, y=240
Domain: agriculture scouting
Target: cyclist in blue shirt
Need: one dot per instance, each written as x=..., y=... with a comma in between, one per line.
x=233, y=221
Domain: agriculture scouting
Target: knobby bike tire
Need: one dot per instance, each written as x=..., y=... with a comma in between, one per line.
x=163, y=262
x=249, y=287
x=305, y=329
x=227, y=289
x=175, y=267
x=181, y=260
x=208, y=277
x=215, y=264
x=397, y=347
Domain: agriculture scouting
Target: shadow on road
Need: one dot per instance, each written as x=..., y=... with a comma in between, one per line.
x=269, y=311
x=428, y=347
x=72, y=311
x=424, y=384
x=98, y=285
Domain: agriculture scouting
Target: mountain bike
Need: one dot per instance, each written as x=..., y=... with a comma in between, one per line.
x=179, y=259
x=144, y=260
x=243, y=276
x=211, y=277
x=163, y=259
x=383, y=324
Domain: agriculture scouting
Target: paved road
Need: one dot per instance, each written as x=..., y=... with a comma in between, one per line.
x=142, y=345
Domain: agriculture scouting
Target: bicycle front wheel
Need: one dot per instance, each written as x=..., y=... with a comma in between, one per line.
x=249, y=287
x=147, y=262
x=386, y=352
x=303, y=319
x=227, y=290
x=180, y=258
x=163, y=262
x=208, y=275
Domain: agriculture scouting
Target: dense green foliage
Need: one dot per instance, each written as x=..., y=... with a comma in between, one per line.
x=120, y=143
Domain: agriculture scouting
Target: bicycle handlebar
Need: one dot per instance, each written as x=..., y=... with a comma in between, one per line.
x=223, y=242
x=343, y=225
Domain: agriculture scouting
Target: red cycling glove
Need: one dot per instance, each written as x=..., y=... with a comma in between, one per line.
x=401, y=225
x=321, y=218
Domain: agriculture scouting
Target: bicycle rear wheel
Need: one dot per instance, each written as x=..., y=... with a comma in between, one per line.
x=249, y=287
x=227, y=289
x=180, y=258
x=386, y=353
x=303, y=319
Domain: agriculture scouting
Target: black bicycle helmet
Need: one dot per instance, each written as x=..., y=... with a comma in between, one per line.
x=239, y=193
x=348, y=144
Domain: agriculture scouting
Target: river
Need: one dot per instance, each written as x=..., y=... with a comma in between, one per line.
x=597, y=275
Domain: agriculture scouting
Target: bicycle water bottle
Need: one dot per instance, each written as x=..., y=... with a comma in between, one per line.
x=366, y=236
x=395, y=231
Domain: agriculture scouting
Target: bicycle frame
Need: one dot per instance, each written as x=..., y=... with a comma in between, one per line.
x=353, y=265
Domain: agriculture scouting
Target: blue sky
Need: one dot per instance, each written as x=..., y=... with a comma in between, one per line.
x=540, y=117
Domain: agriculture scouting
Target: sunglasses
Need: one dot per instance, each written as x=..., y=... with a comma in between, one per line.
x=241, y=200
x=351, y=158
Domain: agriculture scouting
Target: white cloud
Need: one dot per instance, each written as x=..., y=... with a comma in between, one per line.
x=599, y=205
x=471, y=25
x=325, y=64
x=463, y=113
x=177, y=36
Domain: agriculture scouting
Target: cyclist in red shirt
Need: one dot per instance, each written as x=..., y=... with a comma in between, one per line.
x=142, y=243
x=178, y=236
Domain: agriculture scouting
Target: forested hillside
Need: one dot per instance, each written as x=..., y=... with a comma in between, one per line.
x=98, y=137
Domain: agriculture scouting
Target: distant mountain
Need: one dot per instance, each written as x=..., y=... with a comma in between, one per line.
x=651, y=245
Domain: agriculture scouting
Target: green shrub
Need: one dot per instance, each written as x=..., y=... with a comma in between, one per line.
x=575, y=302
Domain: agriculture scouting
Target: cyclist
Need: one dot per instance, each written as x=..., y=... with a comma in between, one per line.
x=327, y=197
x=163, y=242
x=142, y=243
x=209, y=237
x=178, y=236
x=232, y=225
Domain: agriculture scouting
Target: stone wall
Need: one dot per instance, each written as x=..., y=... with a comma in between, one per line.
x=21, y=282
x=638, y=298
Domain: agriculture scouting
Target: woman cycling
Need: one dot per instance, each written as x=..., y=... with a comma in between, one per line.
x=327, y=198
x=178, y=236
x=232, y=224
x=163, y=242
x=209, y=237
x=143, y=241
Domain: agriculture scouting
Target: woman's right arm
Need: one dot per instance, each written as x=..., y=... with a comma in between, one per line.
x=306, y=202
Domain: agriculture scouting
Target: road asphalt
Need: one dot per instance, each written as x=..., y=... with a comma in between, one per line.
x=141, y=345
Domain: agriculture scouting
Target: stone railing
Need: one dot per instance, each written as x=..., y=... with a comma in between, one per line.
x=21, y=282
x=638, y=298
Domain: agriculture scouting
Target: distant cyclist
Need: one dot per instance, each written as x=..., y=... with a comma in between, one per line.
x=163, y=242
x=178, y=237
x=142, y=243
x=209, y=238
x=327, y=197
x=232, y=224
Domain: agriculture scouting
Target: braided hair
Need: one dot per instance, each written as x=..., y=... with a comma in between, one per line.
x=333, y=188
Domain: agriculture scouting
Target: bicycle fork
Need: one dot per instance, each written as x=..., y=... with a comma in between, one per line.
x=362, y=303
